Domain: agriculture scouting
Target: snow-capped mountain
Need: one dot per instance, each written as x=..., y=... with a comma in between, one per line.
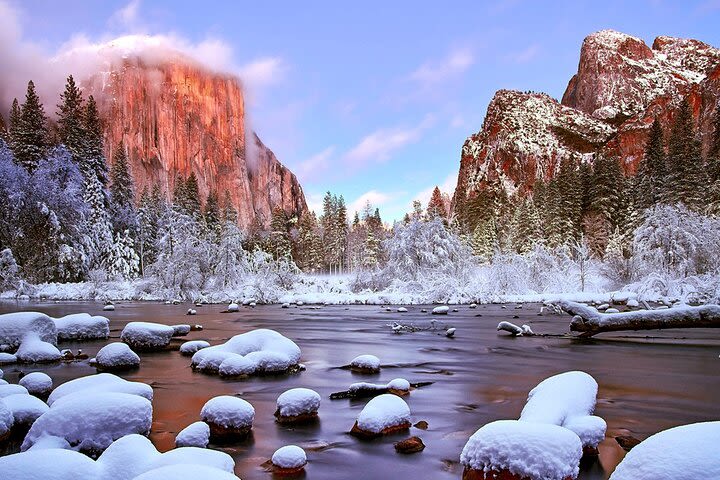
x=608, y=107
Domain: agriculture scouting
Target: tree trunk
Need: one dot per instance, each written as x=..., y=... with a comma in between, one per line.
x=590, y=322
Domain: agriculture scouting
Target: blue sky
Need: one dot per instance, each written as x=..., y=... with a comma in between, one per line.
x=372, y=100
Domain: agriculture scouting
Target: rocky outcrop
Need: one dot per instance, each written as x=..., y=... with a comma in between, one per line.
x=608, y=107
x=176, y=117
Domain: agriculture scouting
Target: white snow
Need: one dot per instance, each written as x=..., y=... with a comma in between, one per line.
x=368, y=362
x=186, y=472
x=146, y=335
x=189, y=348
x=117, y=355
x=25, y=408
x=100, y=383
x=402, y=310
x=529, y=450
x=510, y=327
x=233, y=307
x=109, y=307
x=82, y=326
x=567, y=400
x=48, y=464
x=180, y=330
x=15, y=326
x=263, y=351
x=441, y=310
x=34, y=350
x=194, y=435
x=298, y=401
x=37, y=383
x=6, y=358
x=92, y=422
x=11, y=389
x=688, y=451
x=6, y=419
x=227, y=411
x=399, y=384
x=289, y=457
x=383, y=411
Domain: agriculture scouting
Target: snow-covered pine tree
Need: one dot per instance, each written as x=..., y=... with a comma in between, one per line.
x=436, y=205
x=279, y=240
x=229, y=214
x=30, y=137
x=652, y=174
x=484, y=239
x=212, y=215
x=341, y=233
x=192, y=197
x=687, y=179
x=124, y=263
x=713, y=166
x=70, y=120
x=93, y=161
x=98, y=227
x=13, y=125
x=122, y=193
x=3, y=129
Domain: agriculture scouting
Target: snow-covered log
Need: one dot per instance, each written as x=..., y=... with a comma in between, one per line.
x=590, y=322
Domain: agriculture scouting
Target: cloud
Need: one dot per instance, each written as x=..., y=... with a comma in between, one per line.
x=314, y=165
x=380, y=145
x=455, y=63
x=128, y=16
x=524, y=56
x=376, y=199
x=263, y=72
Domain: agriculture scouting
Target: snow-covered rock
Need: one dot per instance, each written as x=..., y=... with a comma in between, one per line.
x=264, y=351
x=186, y=472
x=228, y=417
x=6, y=358
x=48, y=464
x=567, y=400
x=450, y=332
x=510, y=327
x=194, y=435
x=191, y=311
x=233, y=307
x=688, y=451
x=402, y=310
x=180, y=330
x=25, y=408
x=100, y=383
x=34, y=350
x=82, y=326
x=382, y=415
x=90, y=423
x=147, y=336
x=15, y=326
x=365, y=364
x=297, y=405
x=289, y=459
x=528, y=450
x=109, y=307
x=37, y=383
x=632, y=303
x=10, y=389
x=117, y=356
x=6, y=422
x=399, y=386
x=612, y=310
x=285, y=305
x=441, y=310
x=191, y=347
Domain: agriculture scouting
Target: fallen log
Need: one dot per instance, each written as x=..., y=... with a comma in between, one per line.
x=590, y=322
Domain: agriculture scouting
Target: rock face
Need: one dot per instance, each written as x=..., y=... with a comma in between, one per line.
x=608, y=108
x=175, y=117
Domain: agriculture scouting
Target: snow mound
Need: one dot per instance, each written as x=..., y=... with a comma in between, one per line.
x=194, y=435
x=532, y=451
x=399, y=385
x=441, y=310
x=34, y=350
x=100, y=383
x=568, y=400
x=368, y=363
x=6, y=358
x=82, y=326
x=10, y=389
x=193, y=346
x=264, y=351
x=37, y=383
x=186, y=472
x=6, y=421
x=228, y=412
x=48, y=464
x=298, y=401
x=25, y=408
x=146, y=336
x=14, y=327
x=181, y=330
x=402, y=310
x=384, y=413
x=290, y=457
x=90, y=423
x=688, y=451
x=117, y=356
x=109, y=307
x=233, y=307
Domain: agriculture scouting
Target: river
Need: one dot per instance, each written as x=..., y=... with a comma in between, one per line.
x=649, y=381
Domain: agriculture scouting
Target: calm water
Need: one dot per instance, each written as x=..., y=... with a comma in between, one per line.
x=647, y=383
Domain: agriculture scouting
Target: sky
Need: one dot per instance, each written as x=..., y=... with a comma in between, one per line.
x=371, y=100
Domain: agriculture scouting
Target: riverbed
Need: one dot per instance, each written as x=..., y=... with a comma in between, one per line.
x=649, y=381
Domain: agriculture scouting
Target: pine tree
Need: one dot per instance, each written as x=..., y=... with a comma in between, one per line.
x=192, y=190
x=279, y=240
x=30, y=137
x=436, y=205
x=3, y=129
x=92, y=162
x=122, y=192
x=652, y=175
x=684, y=162
x=70, y=119
x=13, y=124
x=713, y=166
x=101, y=244
x=484, y=240
x=341, y=232
x=124, y=263
x=211, y=213
x=229, y=214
